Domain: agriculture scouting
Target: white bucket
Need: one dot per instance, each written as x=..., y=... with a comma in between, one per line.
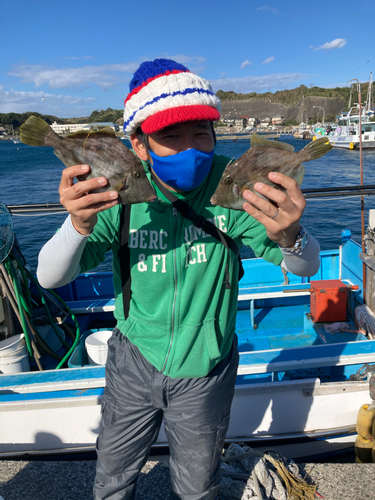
x=12, y=343
x=49, y=336
x=14, y=357
x=97, y=348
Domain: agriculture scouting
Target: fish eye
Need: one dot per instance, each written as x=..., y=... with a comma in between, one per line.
x=136, y=173
x=228, y=180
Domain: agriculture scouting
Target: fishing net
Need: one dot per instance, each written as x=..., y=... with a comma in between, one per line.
x=6, y=232
x=249, y=474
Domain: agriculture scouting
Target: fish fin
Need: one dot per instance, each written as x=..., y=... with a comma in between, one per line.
x=256, y=141
x=34, y=131
x=317, y=148
x=107, y=131
x=300, y=173
x=230, y=163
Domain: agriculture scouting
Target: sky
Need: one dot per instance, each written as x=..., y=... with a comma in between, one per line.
x=68, y=58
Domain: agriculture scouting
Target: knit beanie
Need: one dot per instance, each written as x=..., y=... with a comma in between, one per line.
x=164, y=92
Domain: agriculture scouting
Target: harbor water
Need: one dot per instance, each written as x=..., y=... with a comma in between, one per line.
x=32, y=175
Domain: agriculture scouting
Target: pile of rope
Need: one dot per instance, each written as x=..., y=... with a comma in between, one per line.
x=250, y=474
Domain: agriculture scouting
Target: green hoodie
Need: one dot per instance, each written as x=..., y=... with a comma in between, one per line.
x=182, y=317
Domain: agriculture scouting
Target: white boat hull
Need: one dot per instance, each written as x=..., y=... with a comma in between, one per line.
x=351, y=142
x=301, y=418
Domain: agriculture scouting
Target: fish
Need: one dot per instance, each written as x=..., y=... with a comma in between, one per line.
x=263, y=157
x=105, y=153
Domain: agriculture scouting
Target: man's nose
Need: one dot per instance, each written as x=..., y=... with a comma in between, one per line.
x=189, y=142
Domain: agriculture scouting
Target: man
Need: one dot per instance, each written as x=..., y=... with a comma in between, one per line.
x=175, y=357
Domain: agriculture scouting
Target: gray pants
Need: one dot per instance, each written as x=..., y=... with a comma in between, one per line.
x=196, y=417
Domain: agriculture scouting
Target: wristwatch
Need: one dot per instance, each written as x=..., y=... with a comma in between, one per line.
x=301, y=241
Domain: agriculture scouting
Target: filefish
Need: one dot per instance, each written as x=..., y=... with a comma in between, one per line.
x=263, y=157
x=105, y=153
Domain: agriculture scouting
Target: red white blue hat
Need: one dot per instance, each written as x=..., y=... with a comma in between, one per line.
x=164, y=92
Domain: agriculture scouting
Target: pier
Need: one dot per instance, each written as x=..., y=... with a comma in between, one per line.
x=247, y=137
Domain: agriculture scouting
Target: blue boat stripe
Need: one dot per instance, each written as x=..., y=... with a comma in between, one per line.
x=308, y=353
x=55, y=395
x=48, y=376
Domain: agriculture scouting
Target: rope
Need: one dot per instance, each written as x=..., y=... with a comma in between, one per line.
x=248, y=474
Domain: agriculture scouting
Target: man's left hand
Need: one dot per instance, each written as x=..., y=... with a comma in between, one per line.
x=288, y=208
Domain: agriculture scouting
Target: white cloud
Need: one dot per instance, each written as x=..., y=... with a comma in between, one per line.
x=279, y=81
x=266, y=7
x=20, y=102
x=338, y=43
x=268, y=60
x=105, y=77
x=245, y=63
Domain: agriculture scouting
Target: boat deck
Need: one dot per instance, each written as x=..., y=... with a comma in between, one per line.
x=286, y=327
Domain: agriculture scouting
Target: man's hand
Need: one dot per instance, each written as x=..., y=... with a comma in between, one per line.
x=82, y=205
x=289, y=208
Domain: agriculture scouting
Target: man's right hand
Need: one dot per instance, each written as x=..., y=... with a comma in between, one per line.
x=82, y=205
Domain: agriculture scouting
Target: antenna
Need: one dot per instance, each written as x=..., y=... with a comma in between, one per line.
x=350, y=97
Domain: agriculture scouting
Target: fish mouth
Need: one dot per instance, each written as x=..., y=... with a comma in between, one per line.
x=213, y=201
x=236, y=190
x=125, y=185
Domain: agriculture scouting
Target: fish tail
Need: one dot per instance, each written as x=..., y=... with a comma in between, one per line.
x=34, y=131
x=316, y=149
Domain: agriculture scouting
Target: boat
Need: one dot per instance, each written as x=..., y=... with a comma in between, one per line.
x=15, y=137
x=299, y=386
x=346, y=133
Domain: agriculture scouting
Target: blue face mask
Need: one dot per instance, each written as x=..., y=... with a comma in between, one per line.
x=183, y=171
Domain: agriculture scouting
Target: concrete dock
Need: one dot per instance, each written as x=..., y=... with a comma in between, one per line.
x=21, y=480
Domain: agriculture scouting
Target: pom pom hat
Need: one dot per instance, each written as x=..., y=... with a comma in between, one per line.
x=164, y=92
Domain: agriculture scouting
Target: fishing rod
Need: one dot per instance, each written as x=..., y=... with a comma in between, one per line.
x=36, y=207
x=366, y=190
x=359, y=190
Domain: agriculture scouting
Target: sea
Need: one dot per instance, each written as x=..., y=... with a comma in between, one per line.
x=31, y=175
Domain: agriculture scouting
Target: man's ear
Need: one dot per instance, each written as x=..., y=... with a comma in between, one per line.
x=139, y=148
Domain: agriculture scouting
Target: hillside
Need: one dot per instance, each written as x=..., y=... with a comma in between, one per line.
x=294, y=96
x=302, y=111
x=17, y=119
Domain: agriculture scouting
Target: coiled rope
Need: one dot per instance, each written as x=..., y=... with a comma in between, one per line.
x=250, y=474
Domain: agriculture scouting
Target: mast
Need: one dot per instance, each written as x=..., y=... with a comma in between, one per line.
x=369, y=99
x=369, y=96
x=361, y=177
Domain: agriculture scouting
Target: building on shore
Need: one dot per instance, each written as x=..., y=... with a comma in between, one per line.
x=70, y=128
x=277, y=120
x=265, y=122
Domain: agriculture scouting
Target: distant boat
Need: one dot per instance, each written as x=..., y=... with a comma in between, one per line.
x=347, y=135
x=15, y=138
